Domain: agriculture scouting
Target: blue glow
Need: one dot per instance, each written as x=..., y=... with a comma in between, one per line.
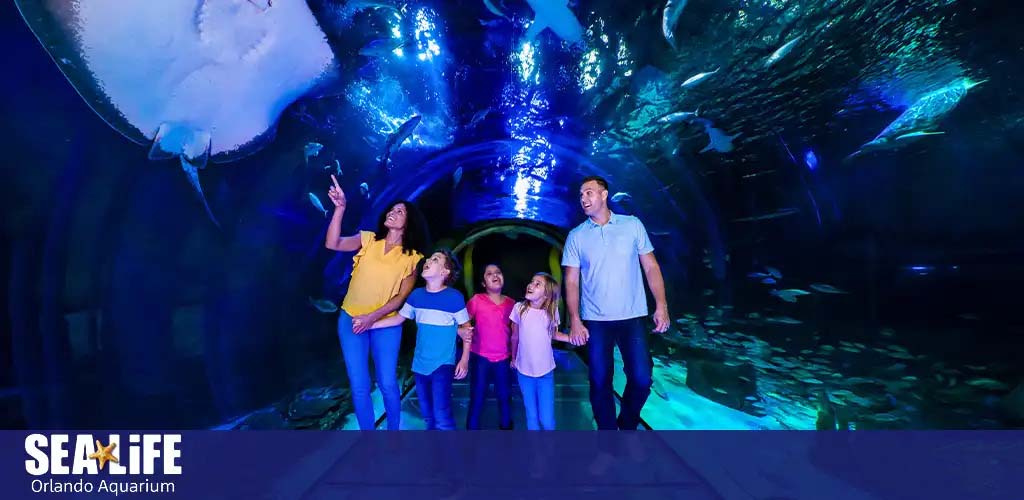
x=426, y=40
x=526, y=63
x=590, y=70
x=395, y=25
x=811, y=159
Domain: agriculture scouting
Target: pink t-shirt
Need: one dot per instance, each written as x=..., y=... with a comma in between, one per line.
x=535, y=357
x=491, y=335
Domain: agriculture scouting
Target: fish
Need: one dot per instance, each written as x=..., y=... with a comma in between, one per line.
x=181, y=99
x=621, y=196
x=775, y=273
x=337, y=168
x=988, y=384
x=783, y=320
x=756, y=275
x=312, y=149
x=825, y=288
x=478, y=117
x=382, y=47
x=782, y=52
x=361, y=5
x=886, y=417
x=399, y=136
x=772, y=215
x=556, y=16
x=699, y=77
x=316, y=203
x=364, y=188
x=919, y=118
x=323, y=305
x=670, y=18
x=679, y=116
x=786, y=295
x=718, y=140
x=768, y=281
x=494, y=9
x=457, y=177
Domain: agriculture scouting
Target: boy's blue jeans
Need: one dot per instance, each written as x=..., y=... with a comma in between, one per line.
x=384, y=343
x=481, y=373
x=631, y=338
x=539, y=400
x=435, y=396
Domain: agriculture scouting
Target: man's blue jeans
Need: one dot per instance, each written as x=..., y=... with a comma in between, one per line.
x=435, y=396
x=481, y=373
x=636, y=358
x=384, y=343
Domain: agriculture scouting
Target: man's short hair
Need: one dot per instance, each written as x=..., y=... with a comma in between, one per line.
x=598, y=179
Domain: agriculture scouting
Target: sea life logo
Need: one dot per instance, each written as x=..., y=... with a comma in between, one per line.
x=61, y=455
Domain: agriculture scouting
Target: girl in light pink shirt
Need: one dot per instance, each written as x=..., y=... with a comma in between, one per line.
x=534, y=324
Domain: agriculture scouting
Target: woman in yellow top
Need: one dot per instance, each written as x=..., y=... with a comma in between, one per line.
x=383, y=275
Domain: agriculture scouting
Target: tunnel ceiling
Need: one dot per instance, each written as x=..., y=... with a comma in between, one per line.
x=783, y=93
x=797, y=86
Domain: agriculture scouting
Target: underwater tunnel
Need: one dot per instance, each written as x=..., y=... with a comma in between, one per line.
x=832, y=191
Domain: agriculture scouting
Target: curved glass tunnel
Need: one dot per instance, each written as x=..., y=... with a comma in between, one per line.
x=832, y=190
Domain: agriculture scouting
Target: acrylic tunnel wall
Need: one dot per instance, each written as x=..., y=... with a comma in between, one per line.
x=832, y=188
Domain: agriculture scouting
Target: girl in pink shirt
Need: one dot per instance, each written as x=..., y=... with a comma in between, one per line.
x=534, y=324
x=489, y=351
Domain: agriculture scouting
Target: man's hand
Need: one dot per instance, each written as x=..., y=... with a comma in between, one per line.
x=578, y=334
x=466, y=333
x=462, y=369
x=661, y=320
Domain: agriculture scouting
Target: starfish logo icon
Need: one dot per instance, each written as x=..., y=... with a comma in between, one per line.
x=103, y=453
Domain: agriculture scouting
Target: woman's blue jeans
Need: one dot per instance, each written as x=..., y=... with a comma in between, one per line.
x=384, y=343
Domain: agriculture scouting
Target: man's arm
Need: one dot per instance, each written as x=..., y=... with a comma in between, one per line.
x=579, y=334
x=366, y=320
x=657, y=284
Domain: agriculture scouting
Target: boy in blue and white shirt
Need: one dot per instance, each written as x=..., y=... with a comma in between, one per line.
x=439, y=313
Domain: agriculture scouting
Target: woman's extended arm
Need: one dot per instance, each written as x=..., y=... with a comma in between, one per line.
x=335, y=241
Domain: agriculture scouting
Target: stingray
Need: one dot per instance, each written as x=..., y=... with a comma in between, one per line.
x=196, y=80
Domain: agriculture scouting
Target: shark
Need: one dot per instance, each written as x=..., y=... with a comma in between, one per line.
x=396, y=138
x=556, y=16
x=199, y=81
x=920, y=119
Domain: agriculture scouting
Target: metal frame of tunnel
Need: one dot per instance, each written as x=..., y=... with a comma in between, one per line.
x=506, y=227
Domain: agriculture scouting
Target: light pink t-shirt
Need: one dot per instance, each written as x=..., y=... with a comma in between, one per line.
x=535, y=357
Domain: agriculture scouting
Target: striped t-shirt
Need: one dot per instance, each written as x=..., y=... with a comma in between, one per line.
x=438, y=316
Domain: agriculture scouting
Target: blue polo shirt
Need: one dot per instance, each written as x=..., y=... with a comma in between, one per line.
x=438, y=316
x=608, y=257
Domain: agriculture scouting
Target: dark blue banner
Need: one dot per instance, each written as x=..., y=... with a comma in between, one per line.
x=493, y=465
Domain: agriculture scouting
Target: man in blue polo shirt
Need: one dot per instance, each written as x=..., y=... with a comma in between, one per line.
x=607, y=305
